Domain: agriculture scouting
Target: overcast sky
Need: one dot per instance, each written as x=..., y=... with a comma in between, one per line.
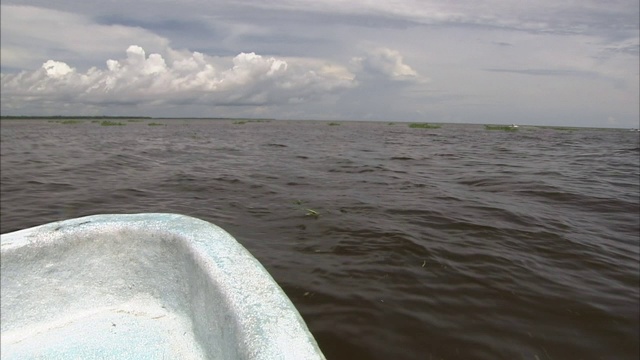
x=544, y=62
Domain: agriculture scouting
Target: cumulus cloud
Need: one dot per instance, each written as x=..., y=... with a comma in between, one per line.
x=183, y=78
x=56, y=69
x=387, y=63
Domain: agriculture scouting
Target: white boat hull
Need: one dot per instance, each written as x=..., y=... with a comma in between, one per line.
x=144, y=286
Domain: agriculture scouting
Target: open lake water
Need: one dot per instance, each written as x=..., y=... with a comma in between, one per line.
x=449, y=243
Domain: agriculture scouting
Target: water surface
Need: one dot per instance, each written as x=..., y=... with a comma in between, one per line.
x=450, y=243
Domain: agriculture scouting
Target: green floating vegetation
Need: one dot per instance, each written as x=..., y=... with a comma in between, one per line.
x=334, y=124
x=111, y=123
x=501, y=127
x=63, y=117
x=311, y=212
x=559, y=128
x=244, y=121
x=156, y=124
x=259, y=120
x=423, y=126
x=66, y=122
x=308, y=212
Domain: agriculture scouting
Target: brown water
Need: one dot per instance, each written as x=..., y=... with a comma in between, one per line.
x=450, y=243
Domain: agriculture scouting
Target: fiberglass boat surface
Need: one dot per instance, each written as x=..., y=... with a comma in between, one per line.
x=142, y=286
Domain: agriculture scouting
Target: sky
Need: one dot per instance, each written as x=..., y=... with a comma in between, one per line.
x=543, y=62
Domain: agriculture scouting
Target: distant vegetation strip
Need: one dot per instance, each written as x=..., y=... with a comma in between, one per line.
x=424, y=126
x=561, y=128
x=111, y=123
x=501, y=127
x=60, y=117
x=244, y=121
x=216, y=118
x=128, y=118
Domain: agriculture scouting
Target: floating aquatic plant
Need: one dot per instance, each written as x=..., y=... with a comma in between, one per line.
x=111, y=123
x=558, y=128
x=308, y=212
x=156, y=124
x=334, y=124
x=244, y=121
x=501, y=127
x=311, y=212
x=423, y=126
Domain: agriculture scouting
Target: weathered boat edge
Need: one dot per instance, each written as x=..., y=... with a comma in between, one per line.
x=229, y=293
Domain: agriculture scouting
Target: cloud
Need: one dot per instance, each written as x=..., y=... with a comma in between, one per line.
x=629, y=46
x=31, y=34
x=546, y=72
x=387, y=63
x=56, y=69
x=542, y=16
x=554, y=60
x=188, y=78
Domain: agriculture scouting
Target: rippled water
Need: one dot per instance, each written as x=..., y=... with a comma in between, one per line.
x=450, y=243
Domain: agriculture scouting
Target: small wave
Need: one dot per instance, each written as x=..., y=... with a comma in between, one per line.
x=349, y=169
x=293, y=183
x=401, y=158
x=226, y=179
x=447, y=155
x=51, y=186
x=635, y=149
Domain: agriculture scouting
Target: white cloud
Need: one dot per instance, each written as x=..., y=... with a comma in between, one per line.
x=189, y=79
x=56, y=69
x=387, y=63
